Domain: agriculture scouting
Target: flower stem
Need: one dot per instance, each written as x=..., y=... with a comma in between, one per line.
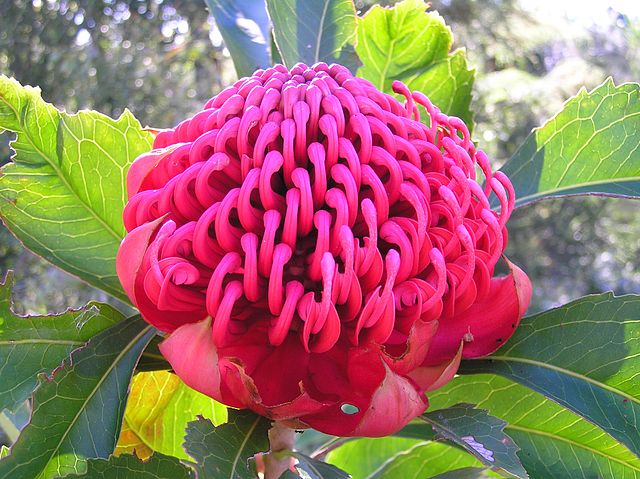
x=281, y=439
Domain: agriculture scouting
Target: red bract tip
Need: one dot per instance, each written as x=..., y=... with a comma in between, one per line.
x=310, y=242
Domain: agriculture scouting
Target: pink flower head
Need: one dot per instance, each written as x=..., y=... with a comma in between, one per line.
x=317, y=252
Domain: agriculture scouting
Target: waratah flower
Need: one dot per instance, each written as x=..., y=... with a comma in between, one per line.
x=317, y=253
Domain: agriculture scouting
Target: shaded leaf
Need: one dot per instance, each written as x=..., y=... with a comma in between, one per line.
x=77, y=413
x=152, y=359
x=479, y=433
x=591, y=147
x=409, y=44
x=33, y=344
x=158, y=410
x=555, y=442
x=583, y=355
x=158, y=466
x=466, y=473
x=312, y=31
x=244, y=26
x=393, y=458
x=309, y=468
x=225, y=450
x=64, y=193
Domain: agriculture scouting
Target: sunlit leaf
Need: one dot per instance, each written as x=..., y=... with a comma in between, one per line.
x=583, y=355
x=554, y=442
x=409, y=44
x=591, y=147
x=77, y=414
x=158, y=410
x=393, y=458
x=64, y=193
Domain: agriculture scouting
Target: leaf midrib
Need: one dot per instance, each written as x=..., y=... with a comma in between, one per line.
x=524, y=200
x=81, y=409
x=60, y=342
x=316, y=56
x=58, y=172
x=236, y=459
x=567, y=372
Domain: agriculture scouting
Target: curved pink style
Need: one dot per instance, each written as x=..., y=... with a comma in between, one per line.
x=317, y=252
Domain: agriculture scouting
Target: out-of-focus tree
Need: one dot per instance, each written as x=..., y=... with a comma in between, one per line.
x=160, y=58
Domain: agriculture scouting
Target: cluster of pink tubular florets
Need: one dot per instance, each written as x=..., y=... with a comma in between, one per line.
x=310, y=242
x=313, y=201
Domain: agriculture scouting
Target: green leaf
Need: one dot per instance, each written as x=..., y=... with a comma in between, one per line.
x=479, y=433
x=393, y=458
x=158, y=466
x=33, y=344
x=312, y=31
x=158, y=410
x=555, y=442
x=583, y=355
x=466, y=473
x=244, y=26
x=4, y=451
x=407, y=43
x=309, y=468
x=77, y=414
x=64, y=193
x=448, y=84
x=224, y=451
x=152, y=359
x=591, y=147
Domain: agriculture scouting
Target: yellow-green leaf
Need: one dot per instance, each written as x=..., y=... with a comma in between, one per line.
x=159, y=407
x=64, y=192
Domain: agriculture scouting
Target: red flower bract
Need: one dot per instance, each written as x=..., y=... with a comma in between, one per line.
x=317, y=253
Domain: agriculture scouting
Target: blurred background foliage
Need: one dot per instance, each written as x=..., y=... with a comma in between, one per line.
x=163, y=59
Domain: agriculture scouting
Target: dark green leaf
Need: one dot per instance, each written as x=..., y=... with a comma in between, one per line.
x=408, y=44
x=244, y=26
x=394, y=458
x=417, y=430
x=128, y=466
x=64, y=193
x=312, y=31
x=77, y=414
x=225, y=450
x=479, y=433
x=152, y=359
x=313, y=469
x=555, y=442
x=591, y=147
x=583, y=355
x=33, y=344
